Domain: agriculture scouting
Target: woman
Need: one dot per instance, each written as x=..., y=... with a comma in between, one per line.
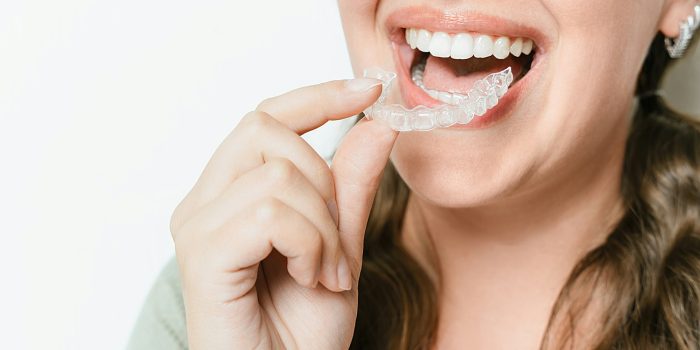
x=567, y=217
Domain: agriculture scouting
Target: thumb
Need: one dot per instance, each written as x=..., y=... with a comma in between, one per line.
x=357, y=169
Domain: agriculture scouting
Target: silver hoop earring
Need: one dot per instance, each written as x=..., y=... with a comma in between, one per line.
x=676, y=48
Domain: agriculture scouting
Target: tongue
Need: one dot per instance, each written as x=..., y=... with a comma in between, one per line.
x=451, y=75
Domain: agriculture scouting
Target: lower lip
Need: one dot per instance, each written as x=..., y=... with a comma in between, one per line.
x=415, y=96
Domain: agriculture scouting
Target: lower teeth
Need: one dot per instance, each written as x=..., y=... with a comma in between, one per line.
x=459, y=108
x=443, y=96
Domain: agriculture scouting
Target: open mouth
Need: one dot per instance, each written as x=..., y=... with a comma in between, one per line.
x=439, y=55
x=445, y=66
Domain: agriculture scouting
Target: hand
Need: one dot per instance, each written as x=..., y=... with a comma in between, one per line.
x=266, y=188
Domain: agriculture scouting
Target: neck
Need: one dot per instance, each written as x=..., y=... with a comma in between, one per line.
x=502, y=265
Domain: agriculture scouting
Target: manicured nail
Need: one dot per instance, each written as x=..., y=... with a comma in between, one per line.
x=361, y=84
x=344, y=277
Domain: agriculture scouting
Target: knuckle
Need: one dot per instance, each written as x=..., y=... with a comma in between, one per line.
x=255, y=121
x=264, y=104
x=248, y=118
x=268, y=209
x=281, y=171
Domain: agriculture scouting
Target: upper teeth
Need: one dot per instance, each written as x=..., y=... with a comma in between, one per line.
x=465, y=45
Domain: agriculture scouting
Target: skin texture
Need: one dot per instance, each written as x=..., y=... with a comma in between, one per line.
x=265, y=188
x=510, y=209
x=266, y=221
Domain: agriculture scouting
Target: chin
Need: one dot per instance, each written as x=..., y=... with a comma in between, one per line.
x=456, y=181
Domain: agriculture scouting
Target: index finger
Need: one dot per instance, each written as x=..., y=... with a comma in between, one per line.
x=309, y=107
x=297, y=111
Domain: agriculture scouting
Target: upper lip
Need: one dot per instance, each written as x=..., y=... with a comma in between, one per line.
x=436, y=20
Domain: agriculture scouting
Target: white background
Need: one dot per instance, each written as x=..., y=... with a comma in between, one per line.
x=109, y=110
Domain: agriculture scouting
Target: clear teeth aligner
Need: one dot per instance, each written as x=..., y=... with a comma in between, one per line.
x=483, y=96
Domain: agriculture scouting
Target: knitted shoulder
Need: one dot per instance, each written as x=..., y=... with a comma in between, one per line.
x=161, y=322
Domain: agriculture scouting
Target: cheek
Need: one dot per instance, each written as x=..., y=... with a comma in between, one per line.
x=599, y=51
x=592, y=74
x=367, y=45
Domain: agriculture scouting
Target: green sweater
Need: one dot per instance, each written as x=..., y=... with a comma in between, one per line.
x=161, y=323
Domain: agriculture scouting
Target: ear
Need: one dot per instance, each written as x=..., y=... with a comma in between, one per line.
x=675, y=12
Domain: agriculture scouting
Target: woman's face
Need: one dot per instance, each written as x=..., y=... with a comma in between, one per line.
x=560, y=122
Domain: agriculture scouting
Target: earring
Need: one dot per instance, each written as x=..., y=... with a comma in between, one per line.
x=676, y=48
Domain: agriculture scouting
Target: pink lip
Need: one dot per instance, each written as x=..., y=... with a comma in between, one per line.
x=436, y=20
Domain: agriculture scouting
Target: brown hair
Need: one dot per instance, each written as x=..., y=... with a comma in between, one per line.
x=646, y=275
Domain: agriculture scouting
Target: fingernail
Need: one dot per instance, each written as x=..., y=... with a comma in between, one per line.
x=344, y=277
x=333, y=209
x=361, y=84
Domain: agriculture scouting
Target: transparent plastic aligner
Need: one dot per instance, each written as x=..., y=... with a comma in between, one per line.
x=483, y=95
